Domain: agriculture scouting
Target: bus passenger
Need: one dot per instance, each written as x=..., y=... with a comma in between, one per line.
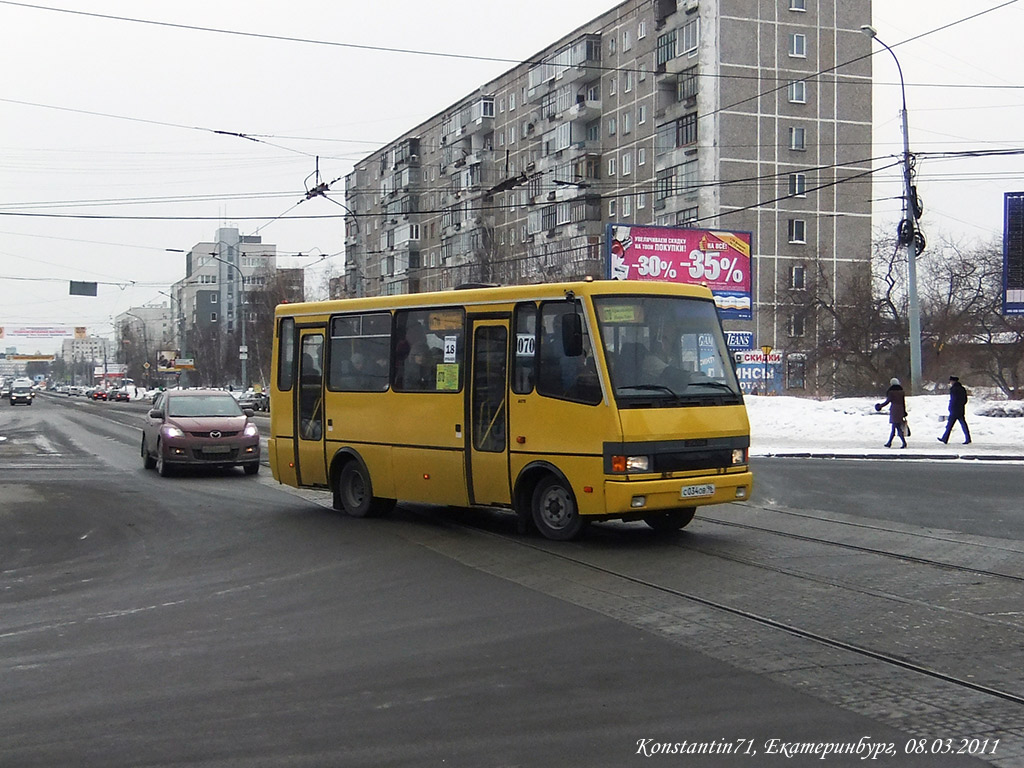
x=419, y=373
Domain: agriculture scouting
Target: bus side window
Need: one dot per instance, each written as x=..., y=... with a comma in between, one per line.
x=286, y=354
x=428, y=350
x=525, y=366
x=564, y=376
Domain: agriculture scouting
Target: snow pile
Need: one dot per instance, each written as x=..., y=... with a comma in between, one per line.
x=852, y=426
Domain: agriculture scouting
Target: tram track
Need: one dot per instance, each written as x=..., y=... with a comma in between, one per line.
x=904, y=556
x=579, y=559
x=767, y=621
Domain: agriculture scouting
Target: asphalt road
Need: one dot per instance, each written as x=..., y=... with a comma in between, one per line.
x=220, y=620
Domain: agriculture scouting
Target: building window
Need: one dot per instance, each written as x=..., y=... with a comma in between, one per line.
x=688, y=85
x=627, y=42
x=611, y=85
x=641, y=156
x=691, y=36
x=627, y=163
x=688, y=216
x=213, y=298
x=213, y=317
x=796, y=372
x=798, y=46
x=798, y=277
x=798, y=139
x=641, y=200
x=611, y=166
x=627, y=206
x=641, y=114
x=798, y=92
x=797, y=231
x=641, y=30
x=611, y=126
x=627, y=122
x=796, y=325
x=798, y=5
x=687, y=130
x=628, y=82
x=797, y=184
x=611, y=210
x=666, y=47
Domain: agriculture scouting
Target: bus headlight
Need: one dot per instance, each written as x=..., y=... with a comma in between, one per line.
x=631, y=463
x=739, y=456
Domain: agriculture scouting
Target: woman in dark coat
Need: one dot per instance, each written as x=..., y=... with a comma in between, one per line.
x=896, y=399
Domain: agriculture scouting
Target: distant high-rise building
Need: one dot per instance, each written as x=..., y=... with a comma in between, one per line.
x=719, y=114
x=228, y=281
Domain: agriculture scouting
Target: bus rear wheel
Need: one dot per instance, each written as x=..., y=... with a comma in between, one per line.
x=555, y=512
x=670, y=521
x=356, y=493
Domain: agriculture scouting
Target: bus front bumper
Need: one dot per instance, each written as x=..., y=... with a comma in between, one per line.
x=639, y=497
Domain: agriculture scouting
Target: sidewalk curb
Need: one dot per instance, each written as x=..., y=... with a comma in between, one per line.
x=897, y=454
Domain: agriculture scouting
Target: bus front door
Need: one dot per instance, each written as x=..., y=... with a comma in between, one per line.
x=309, y=410
x=487, y=437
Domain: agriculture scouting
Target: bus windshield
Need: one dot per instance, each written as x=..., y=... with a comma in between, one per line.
x=665, y=351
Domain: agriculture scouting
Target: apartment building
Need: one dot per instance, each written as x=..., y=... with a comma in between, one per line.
x=736, y=115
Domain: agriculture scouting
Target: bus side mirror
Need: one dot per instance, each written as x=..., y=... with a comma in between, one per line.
x=572, y=335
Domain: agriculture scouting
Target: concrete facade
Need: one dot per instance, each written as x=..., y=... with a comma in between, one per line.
x=737, y=115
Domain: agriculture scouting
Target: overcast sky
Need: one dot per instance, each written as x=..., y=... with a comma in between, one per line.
x=110, y=118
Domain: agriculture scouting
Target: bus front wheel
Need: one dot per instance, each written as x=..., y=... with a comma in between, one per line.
x=356, y=493
x=670, y=521
x=555, y=512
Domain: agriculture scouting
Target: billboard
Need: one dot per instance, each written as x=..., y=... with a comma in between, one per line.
x=1013, y=253
x=36, y=331
x=716, y=259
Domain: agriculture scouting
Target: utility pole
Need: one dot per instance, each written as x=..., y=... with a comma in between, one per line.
x=908, y=235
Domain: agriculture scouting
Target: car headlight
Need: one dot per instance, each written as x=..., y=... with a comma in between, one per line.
x=250, y=430
x=170, y=430
x=739, y=456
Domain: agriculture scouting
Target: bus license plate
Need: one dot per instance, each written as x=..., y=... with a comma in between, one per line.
x=697, y=491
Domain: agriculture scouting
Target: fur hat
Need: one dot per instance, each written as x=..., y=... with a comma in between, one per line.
x=894, y=381
x=954, y=378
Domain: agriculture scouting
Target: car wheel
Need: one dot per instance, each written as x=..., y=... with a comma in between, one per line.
x=148, y=462
x=252, y=468
x=672, y=520
x=356, y=493
x=555, y=512
x=162, y=467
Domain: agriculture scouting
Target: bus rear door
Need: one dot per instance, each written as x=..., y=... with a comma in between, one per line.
x=309, y=410
x=487, y=469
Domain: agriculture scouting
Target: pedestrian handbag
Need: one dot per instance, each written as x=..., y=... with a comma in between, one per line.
x=906, y=427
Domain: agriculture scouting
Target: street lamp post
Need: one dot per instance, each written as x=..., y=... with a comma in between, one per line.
x=908, y=232
x=145, y=346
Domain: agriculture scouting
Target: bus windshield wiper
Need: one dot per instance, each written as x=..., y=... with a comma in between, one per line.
x=715, y=384
x=658, y=387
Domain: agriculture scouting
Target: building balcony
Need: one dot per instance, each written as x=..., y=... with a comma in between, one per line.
x=585, y=110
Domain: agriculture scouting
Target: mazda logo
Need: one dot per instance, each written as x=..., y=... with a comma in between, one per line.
x=215, y=434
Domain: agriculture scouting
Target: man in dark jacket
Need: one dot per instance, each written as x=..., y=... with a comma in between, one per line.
x=957, y=409
x=896, y=399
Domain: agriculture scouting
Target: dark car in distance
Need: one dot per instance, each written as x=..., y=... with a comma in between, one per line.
x=199, y=427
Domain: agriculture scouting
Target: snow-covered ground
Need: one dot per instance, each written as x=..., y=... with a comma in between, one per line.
x=851, y=426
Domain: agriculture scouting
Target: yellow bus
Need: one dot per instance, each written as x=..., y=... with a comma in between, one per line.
x=566, y=403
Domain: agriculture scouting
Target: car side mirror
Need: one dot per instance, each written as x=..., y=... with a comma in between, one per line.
x=249, y=412
x=156, y=413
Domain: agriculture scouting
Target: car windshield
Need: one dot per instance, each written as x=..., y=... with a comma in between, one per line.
x=666, y=351
x=203, y=405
